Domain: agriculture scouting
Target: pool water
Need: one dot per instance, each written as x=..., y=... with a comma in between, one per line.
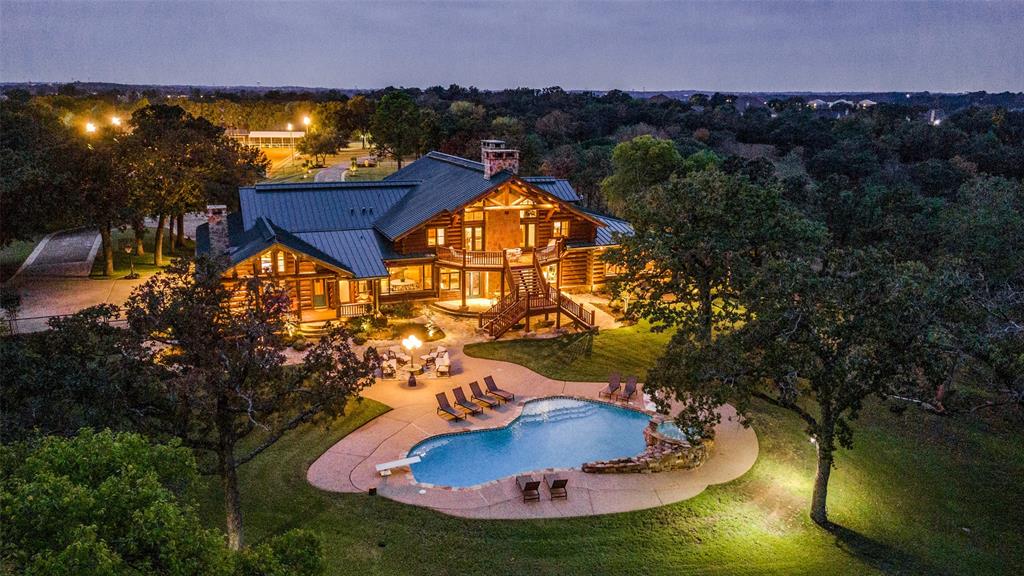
x=550, y=433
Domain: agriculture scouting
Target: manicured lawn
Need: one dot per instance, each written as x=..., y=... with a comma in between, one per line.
x=582, y=357
x=143, y=264
x=918, y=495
x=12, y=256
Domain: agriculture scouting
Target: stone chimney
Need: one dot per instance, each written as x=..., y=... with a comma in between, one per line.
x=217, y=221
x=496, y=157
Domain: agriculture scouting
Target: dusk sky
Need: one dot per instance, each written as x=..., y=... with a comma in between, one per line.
x=729, y=46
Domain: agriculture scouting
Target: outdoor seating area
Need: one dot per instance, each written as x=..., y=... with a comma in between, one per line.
x=615, y=390
x=529, y=487
x=477, y=401
x=437, y=362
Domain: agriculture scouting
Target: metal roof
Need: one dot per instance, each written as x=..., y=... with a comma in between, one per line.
x=606, y=234
x=557, y=187
x=446, y=183
x=362, y=251
x=321, y=206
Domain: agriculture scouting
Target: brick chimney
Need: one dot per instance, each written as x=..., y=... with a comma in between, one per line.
x=217, y=221
x=496, y=157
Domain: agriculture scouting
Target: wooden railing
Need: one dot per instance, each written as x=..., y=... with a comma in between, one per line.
x=548, y=254
x=507, y=318
x=464, y=258
x=572, y=308
x=357, y=309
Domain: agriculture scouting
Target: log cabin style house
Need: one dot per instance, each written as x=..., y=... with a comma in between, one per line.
x=466, y=236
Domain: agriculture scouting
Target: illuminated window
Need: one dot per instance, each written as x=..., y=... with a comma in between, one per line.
x=560, y=229
x=266, y=264
x=280, y=262
x=449, y=279
x=435, y=236
x=408, y=279
x=527, y=213
x=474, y=216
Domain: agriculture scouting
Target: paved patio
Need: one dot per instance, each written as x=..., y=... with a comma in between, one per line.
x=348, y=466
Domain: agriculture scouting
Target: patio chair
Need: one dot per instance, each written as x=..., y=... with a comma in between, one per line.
x=614, y=381
x=529, y=487
x=479, y=396
x=388, y=369
x=493, y=389
x=442, y=366
x=443, y=407
x=629, y=390
x=462, y=402
x=556, y=485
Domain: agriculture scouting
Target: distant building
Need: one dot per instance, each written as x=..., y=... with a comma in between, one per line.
x=817, y=104
x=865, y=103
x=266, y=138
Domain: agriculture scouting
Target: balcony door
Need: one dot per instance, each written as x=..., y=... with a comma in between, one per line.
x=474, y=236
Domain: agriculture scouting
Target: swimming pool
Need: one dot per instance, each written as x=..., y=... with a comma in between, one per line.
x=550, y=433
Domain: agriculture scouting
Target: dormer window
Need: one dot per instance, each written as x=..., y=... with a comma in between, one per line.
x=435, y=236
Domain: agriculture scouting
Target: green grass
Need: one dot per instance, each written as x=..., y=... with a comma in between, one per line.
x=582, y=357
x=904, y=494
x=143, y=264
x=12, y=256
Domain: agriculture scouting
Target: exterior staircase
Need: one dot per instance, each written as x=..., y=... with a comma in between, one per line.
x=531, y=294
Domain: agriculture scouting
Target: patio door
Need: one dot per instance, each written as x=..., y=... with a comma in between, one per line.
x=474, y=284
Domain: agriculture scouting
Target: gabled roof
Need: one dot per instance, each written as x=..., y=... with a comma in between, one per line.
x=320, y=206
x=262, y=236
x=557, y=187
x=445, y=183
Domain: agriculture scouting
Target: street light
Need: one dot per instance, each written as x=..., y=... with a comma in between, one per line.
x=411, y=343
x=128, y=246
x=90, y=127
x=291, y=136
x=115, y=120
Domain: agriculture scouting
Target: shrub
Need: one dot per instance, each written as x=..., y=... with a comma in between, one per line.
x=399, y=310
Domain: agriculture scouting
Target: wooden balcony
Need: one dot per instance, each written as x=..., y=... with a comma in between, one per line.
x=470, y=258
x=495, y=259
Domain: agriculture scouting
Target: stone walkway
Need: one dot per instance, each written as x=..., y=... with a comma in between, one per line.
x=349, y=465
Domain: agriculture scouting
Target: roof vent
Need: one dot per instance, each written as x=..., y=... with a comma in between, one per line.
x=364, y=210
x=351, y=211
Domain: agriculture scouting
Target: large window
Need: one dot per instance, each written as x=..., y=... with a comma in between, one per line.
x=435, y=236
x=449, y=279
x=408, y=279
x=560, y=229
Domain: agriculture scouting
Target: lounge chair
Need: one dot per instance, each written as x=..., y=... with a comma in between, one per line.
x=629, y=390
x=529, y=487
x=556, y=485
x=443, y=407
x=493, y=389
x=388, y=369
x=462, y=402
x=614, y=381
x=479, y=396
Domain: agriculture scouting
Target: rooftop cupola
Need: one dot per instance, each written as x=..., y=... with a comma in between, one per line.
x=496, y=157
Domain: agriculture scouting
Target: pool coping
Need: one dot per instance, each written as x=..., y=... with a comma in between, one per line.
x=520, y=405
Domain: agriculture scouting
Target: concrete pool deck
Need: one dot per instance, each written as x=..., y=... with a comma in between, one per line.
x=349, y=465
